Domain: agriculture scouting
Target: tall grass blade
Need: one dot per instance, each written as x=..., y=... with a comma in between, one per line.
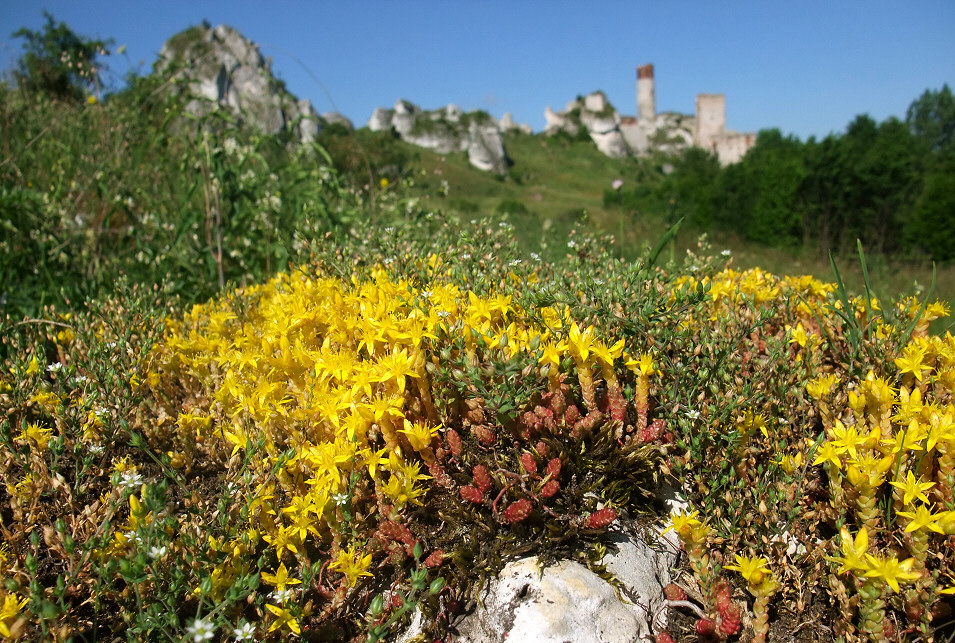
x=661, y=244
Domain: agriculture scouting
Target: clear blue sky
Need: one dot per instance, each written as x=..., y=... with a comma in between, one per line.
x=807, y=67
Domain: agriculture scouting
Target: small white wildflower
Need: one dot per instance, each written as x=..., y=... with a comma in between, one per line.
x=571, y=244
x=535, y=256
x=282, y=595
x=426, y=294
x=130, y=479
x=79, y=379
x=444, y=314
x=244, y=632
x=599, y=282
x=340, y=498
x=201, y=630
x=111, y=345
x=157, y=552
x=516, y=262
x=54, y=367
x=726, y=253
x=693, y=414
x=95, y=449
x=389, y=229
x=466, y=255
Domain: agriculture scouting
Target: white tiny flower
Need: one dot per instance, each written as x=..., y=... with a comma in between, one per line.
x=157, y=552
x=79, y=379
x=201, y=630
x=282, y=595
x=244, y=632
x=340, y=498
x=535, y=256
x=130, y=479
x=599, y=282
x=516, y=262
x=54, y=367
x=95, y=449
x=726, y=253
x=693, y=414
x=466, y=255
x=443, y=314
x=426, y=293
x=571, y=244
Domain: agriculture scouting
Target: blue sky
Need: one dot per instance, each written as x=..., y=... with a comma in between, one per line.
x=806, y=67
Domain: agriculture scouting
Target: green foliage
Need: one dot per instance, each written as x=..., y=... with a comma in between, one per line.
x=59, y=63
x=89, y=192
x=932, y=118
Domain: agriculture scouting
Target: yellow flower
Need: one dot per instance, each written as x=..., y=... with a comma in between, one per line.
x=351, y=565
x=9, y=611
x=923, y=518
x=830, y=453
x=912, y=488
x=853, y=551
x=891, y=570
x=32, y=366
x=913, y=361
x=752, y=568
x=36, y=434
x=821, y=386
x=283, y=618
x=419, y=434
x=280, y=578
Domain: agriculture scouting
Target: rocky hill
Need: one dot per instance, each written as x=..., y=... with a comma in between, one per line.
x=450, y=130
x=219, y=68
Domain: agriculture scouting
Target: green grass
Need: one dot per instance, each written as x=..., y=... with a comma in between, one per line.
x=555, y=183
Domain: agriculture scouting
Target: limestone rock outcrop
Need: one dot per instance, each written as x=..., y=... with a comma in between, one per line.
x=620, y=136
x=220, y=69
x=594, y=114
x=533, y=603
x=447, y=130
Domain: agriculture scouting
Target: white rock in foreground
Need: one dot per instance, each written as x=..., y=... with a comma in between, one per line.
x=565, y=601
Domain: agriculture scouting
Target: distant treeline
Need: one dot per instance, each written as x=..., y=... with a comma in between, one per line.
x=890, y=185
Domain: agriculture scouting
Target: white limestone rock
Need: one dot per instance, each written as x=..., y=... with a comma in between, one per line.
x=611, y=143
x=486, y=148
x=559, y=121
x=447, y=130
x=380, y=119
x=220, y=69
x=568, y=602
x=338, y=119
x=508, y=124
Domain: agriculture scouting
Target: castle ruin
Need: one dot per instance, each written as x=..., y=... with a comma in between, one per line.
x=668, y=131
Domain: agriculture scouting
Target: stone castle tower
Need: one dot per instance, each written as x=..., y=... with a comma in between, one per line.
x=646, y=99
x=710, y=119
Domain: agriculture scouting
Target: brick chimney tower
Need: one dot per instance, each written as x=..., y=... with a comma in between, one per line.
x=646, y=99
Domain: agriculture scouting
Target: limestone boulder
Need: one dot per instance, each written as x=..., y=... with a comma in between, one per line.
x=447, y=130
x=533, y=603
x=218, y=68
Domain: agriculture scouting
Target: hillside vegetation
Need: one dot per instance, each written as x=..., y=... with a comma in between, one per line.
x=260, y=391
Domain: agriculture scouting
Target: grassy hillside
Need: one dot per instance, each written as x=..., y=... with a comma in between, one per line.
x=556, y=183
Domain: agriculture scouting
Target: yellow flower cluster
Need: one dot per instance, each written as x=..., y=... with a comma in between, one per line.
x=330, y=383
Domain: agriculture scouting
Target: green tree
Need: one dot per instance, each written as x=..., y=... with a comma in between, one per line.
x=59, y=63
x=932, y=118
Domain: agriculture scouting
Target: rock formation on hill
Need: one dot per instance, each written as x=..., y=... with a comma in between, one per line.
x=448, y=130
x=620, y=136
x=221, y=69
